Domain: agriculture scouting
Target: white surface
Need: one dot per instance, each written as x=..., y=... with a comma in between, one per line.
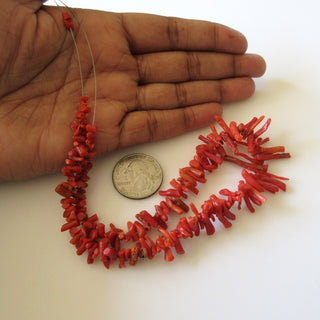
x=265, y=267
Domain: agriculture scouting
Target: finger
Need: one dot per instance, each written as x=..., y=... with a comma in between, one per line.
x=145, y=126
x=151, y=33
x=169, y=96
x=181, y=66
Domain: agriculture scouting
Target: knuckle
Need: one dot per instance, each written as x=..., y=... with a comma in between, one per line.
x=193, y=65
x=152, y=126
x=173, y=31
x=143, y=68
x=141, y=98
x=176, y=32
x=213, y=32
x=235, y=65
x=188, y=118
x=181, y=95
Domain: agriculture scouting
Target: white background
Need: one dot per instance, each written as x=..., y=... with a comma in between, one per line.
x=265, y=267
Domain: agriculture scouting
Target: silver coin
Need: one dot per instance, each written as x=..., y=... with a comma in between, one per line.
x=137, y=176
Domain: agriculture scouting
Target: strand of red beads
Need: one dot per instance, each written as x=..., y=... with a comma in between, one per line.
x=89, y=235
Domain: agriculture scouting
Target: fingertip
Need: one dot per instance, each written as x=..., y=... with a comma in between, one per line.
x=205, y=113
x=259, y=65
x=249, y=65
x=246, y=87
x=243, y=42
x=251, y=88
x=217, y=109
x=237, y=89
x=263, y=66
x=236, y=40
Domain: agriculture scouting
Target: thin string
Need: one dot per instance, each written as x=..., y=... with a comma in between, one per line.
x=79, y=62
x=94, y=75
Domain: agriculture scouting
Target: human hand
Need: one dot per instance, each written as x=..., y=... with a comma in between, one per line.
x=156, y=77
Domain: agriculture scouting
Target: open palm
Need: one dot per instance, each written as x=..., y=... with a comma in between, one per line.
x=156, y=77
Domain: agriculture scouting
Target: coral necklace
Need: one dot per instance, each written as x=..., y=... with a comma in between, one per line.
x=89, y=235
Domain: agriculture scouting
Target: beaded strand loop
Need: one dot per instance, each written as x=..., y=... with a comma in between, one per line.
x=88, y=234
x=109, y=245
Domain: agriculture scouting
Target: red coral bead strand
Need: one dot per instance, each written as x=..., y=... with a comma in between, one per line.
x=89, y=235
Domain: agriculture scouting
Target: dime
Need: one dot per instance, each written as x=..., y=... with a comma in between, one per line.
x=137, y=176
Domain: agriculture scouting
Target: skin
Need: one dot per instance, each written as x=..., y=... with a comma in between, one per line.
x=157, y=77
